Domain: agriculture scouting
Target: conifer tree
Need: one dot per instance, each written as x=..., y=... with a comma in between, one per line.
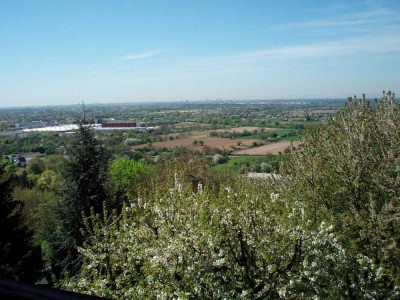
x=83, y=173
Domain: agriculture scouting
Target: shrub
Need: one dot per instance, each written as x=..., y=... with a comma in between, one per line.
x=266, y=167
x=219, y=159
x=133, y=141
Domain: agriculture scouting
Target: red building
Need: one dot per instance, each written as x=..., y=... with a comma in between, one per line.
x=119, y=124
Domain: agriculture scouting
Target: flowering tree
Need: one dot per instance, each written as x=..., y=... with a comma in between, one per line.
x=241, y=242
x=328, y=228
x=348, y=174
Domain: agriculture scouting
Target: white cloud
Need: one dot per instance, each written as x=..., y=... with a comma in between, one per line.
x=270, y=59
x=355, y=21
x=142, y=55
x=370, y=45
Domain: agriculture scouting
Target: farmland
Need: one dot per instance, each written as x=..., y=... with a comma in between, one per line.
x=272, y=148
x=219, y=143
x=229, y=128
x=211, y=139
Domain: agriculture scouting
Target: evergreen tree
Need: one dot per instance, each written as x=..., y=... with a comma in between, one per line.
x=83, y=173
x=19, y=259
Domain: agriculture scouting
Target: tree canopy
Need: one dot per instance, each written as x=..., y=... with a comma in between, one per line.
x=19, y=258
x=328, y=227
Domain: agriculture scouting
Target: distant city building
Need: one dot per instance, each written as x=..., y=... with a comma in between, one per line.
x=119, y=124
x=32, y=124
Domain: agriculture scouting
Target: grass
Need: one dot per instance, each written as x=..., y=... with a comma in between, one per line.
x=294, y=138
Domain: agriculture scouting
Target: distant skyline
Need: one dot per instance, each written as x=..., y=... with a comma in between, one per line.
x=98, y=51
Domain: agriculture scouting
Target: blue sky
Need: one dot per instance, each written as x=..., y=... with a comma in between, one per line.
x=63, y=52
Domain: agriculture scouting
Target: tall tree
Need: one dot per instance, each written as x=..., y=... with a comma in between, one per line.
x=83, y=173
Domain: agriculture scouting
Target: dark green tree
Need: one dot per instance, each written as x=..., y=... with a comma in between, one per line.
x=19, y=259
x=83, y=175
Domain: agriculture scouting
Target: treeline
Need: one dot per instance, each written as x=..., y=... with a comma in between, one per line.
x=260, y=134
x=328, y=227
x=44, y=143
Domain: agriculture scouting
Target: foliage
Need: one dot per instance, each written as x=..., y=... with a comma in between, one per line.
x=198, y=143
x=279, y=134
x=265, y=167
x=133, y=141
x=36, y=166
x=38, y=215
x=218, y=159
x=19, y=259
x=327, y=228
x=30, y=142
x=127, y=175
x=48, y=180
x=348, y=173
x=241, y=164
x=83, y=174
x=174, y=242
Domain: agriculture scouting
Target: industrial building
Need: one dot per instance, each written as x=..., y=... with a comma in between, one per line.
x=119, y=124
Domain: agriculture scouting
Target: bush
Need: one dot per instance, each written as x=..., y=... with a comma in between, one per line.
x=219, y=159
x=36, y=166
x=266, y=167
x=133, y=141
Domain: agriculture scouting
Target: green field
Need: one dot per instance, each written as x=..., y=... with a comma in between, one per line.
x=293, y=138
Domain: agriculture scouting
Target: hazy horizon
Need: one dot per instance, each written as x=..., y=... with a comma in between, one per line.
x=104, y=52
x=116, y=103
